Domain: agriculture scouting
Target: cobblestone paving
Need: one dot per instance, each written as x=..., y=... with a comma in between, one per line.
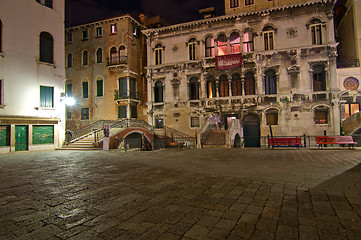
x=181, y=194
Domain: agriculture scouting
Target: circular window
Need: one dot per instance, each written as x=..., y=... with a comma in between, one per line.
x=351, y=83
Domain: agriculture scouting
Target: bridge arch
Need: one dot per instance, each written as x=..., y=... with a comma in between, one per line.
x=116, y=139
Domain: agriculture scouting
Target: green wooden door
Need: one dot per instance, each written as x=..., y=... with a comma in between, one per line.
x=251, y=131
x=21, y=138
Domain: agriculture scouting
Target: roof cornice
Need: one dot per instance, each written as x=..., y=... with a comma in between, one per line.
x=149, y=32
x=114, y=19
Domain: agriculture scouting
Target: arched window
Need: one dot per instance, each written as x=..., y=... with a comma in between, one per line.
x=235, y=43
x=209, y=46
x=158, y=92
x=113, y=56
x=222, y=45
x=316, y=32
x=85, y=58
x=99, y=55
x=236, y=85
x=46, y=44
x=122, y=51
x=158, y=54
x=248, y=41
x=321, y=115
x=319, y=78
x=211, y=87
x=193, y=89
x=1, y=35
x=249, y=84
x=192, y=49
x=270, y=82
x=223, y=86
x=69, y=60
x=268, y=36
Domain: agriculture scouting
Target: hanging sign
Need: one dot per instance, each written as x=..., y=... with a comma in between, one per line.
x=228, y=61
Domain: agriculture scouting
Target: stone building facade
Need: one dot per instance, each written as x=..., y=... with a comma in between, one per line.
x=286, y=84
x=32, y=75
x=105, y=71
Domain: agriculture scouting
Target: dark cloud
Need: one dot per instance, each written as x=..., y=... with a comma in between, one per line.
x=173, y=11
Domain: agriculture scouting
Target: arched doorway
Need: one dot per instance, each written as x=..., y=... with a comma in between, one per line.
x=251, y=131
x=133, y=140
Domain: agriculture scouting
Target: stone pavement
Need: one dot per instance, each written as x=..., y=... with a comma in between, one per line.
x=181, y=194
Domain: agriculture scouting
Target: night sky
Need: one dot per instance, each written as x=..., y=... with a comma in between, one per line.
x=173, y=11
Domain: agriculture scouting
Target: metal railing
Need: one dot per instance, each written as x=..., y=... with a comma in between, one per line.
x=116, y=60
x=126, y=94
x=90, y=129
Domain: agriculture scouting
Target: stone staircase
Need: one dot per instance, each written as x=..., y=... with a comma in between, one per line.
x=86, y=143
x=215, y=138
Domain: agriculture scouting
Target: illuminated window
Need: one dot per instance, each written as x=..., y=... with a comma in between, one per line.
x=192, y=49
x=236, y=85
x=248, y=2
x=319, y=78
x=85, y=34
x=47, y=3
x=99, y=87
x=222, y=45
x=193, y=89
x=270, y=82
x=84, y=114
x=99, y=31
x=158, y=92
x=195, y=122
x=209, y=45
x=85, y=89
x=321, y=115
x=316, y=32
x=46, y=97
x=268, y=36
x=46, y=50
x=248, y=42
x=1, y=36
x=234, y=4
x=69, y=62
x=85, y=58
x=113, y=28
x=235, y=43
x=99, y=55
x=223, y=86
x=351, y=108
x=211, y=87
x=158, y=54
x=272, y=117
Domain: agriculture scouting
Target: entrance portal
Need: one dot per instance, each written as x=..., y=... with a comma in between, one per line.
x=251, y=131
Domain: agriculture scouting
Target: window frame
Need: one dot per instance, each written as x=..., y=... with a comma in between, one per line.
x=272, y=117
x=69, y=37
x=223, y=86
x=270, y=83
x=159, y=122
x=69, y=60
x=233, y=45
x=46, y=48
x=233, y=3
x=84, y=114
x=318, y=112
x=99, y=59
x=210, y=47
x=68, y=89
x=248, y=2
x=99, y=31
x=85, y=89
x=247, y=45
x=85, y=34
x=192, y=47
x=113, y=28
x=158, y=52
x=85, y=58
x=193, y=89
x=100, y=87
x=268, y=37
x=222, y=46
x=158, y=92
x=195, y=122
x=47, y=98
x=316, y=32
x=319, y=82
x=1, y=36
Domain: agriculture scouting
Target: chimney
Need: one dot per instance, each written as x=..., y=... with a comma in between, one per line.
x=208, y=12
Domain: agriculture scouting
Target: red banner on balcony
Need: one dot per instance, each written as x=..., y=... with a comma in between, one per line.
x=228, y=61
